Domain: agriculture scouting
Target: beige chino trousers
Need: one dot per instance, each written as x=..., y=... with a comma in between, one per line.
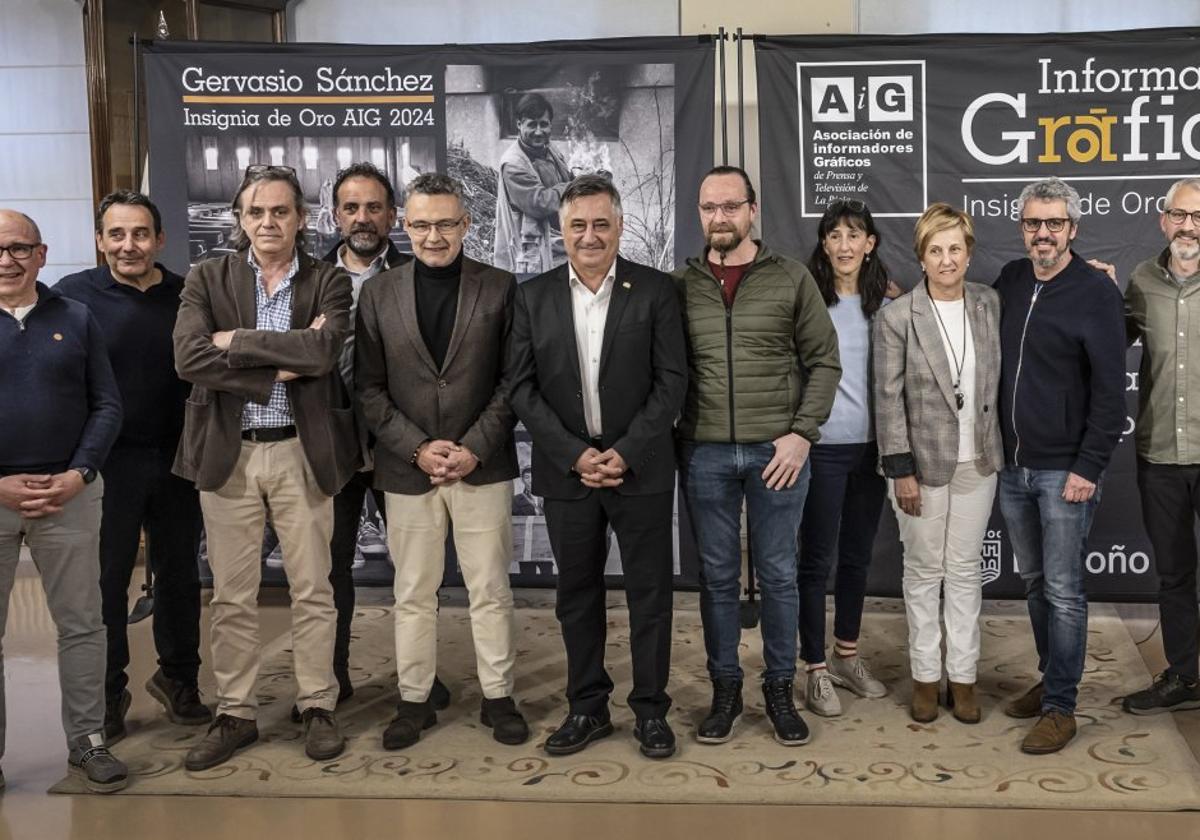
x=271, y=477
x=481, y=519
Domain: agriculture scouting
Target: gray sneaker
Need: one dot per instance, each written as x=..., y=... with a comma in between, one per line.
x=820, y=696
x=99, y=769
x=852, y=673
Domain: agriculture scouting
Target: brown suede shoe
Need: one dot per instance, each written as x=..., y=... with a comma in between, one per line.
x=226, y=735
x=1028, y=705
x=924, y=705
x=1053, y=731
x=962, y=701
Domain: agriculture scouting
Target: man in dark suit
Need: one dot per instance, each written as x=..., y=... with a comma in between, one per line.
x=430, y=338
x=598, y=371
x=268, y=426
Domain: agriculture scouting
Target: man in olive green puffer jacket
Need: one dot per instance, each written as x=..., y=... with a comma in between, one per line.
x=763, y=365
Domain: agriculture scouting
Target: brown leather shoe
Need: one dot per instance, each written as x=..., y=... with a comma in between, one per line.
x=1028, y=705
x=924, y=705
x=1053, y=731
x=962, y=701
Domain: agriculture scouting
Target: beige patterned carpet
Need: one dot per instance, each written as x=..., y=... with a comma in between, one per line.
x=873, y=754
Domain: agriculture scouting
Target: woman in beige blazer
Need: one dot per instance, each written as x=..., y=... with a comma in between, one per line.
x=937, y=373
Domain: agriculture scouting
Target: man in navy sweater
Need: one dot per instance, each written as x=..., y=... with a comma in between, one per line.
x=1062, y=405
x=135, y=299
x=60, y=411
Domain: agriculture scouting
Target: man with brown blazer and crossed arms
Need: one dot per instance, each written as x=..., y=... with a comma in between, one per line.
x=599, y=370
x=268, y=427
x=430, y=338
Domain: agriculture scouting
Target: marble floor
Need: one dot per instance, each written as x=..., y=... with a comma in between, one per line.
x=35, y=759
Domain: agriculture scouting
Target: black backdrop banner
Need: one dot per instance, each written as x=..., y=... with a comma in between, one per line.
x=901, y=122
x=640, y=109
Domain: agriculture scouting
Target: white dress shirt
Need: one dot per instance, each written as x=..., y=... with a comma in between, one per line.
x=958, y=340
x=590, y=311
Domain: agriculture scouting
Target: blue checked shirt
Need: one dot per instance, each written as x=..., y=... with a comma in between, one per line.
x=272, y=313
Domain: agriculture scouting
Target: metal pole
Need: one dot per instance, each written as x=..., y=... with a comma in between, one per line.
x=741, y=106
x=136, y=169
x=724, y=117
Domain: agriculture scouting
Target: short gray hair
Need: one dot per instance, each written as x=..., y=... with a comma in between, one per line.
x=1193, y=183
x=238, y=239
x=586, y=185
x=435, y=183
x=1053, y=189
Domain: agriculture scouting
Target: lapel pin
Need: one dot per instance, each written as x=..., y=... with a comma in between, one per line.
x=58, y=337
x=627, y=285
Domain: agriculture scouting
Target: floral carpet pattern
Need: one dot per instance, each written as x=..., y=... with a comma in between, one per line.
x=873, y=754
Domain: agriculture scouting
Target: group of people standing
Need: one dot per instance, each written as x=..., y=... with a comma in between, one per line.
x=272, y=383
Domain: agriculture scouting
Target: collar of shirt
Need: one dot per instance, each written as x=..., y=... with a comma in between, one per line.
x=378, y=264
x=606, y=286
x=293, y=269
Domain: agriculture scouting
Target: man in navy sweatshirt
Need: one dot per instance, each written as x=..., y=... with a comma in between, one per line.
x=1062, y=404
x=60, y=411
x=135, y=299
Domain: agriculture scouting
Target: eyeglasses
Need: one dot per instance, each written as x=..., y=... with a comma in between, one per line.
x=844, y=204
x=19, y=251
x=443, y=226
x=1178, y=216
x=1052, y=225
x=256, y=169
x=727, y=208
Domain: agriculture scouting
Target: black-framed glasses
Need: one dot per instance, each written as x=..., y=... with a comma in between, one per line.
x=727, y=208
x=1178, y=216
x=444, y=226
x=853, y=205
x=19, y=251
x=256, y=169
x=1034, y=225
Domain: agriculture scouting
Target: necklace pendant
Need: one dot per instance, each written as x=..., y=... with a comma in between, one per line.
x=960, y=399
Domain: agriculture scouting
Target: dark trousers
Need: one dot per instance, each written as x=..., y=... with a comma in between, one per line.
x=140, y=492
x=347, y=512
x=1170, y=503
x=578, y=537
x=841, y=516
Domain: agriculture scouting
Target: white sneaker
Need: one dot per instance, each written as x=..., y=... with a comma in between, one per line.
x=819, y=695
x=852, y=673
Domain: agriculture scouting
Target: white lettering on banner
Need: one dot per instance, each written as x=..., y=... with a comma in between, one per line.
x=890, y=98
x=195, y=81
x=991, y=557
x=833, y=100
x=329, y=80
x=1117, y=562
x=1110, y=80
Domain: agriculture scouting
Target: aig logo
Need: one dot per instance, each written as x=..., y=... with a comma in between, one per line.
x=846, y=99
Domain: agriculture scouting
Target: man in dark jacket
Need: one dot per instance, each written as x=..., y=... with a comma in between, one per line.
x=268, y=425
x=598, y=370
x=1062, y=409
x=764, y=369
x=60, y=412
x=134, y=300
x=429, y=360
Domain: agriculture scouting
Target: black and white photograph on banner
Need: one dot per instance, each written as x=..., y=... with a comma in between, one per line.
x=216, y=163
x=517, y=135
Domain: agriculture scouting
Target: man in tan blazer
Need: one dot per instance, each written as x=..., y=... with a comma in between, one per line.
x=268, y=426
x=430, y=337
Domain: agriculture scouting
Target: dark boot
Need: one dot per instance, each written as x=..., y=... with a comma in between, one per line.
x=406, y=727
x=180, y=699
x=508, y=726
x=790, y=728
x=717, y=728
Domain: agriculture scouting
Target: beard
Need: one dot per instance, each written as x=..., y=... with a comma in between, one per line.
x=364, y=242
x=723, y=238
x=1047, y=262
x=1185, y=248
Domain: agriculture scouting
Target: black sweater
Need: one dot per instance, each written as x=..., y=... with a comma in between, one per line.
x=59, y=403
x=1062, y=342
x=437, y=305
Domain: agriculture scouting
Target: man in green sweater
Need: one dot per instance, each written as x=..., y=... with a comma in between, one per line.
x=764, y=368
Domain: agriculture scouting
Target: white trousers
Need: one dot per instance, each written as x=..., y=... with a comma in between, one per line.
x=942, y=547
x=482, y=526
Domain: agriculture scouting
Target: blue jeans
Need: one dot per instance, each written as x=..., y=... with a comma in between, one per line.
x=1049, y=539
x=716, y=477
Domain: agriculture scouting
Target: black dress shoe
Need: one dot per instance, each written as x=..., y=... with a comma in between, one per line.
x=576, y=732
x=439, y=695
x=655, y=736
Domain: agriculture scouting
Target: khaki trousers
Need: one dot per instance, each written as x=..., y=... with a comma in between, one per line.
x=482, y=527
x=271, y=477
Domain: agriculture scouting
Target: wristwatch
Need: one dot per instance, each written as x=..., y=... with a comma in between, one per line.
x=89, y=474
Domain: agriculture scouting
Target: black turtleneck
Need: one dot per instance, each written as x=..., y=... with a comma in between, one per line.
x=437, y=304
